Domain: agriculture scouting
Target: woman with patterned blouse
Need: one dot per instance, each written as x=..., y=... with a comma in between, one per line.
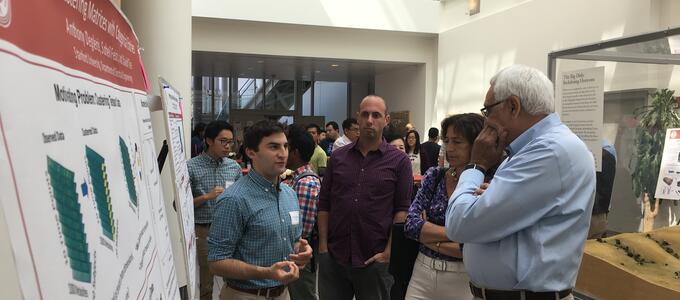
x=438, y=272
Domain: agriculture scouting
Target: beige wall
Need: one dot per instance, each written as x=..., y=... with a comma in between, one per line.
x=325, y=42
x=470, y=54
x=403, y=90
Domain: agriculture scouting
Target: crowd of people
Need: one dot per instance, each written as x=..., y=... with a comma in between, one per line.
x=499, y=210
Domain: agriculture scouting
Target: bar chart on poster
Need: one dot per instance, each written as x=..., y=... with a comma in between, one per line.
x=79, y=185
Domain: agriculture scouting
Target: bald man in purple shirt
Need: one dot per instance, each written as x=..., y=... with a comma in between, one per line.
x=366, y=188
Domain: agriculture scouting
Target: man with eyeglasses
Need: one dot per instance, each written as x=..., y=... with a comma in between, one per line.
x=210, y=173
x=524, y=234
x=350, y=128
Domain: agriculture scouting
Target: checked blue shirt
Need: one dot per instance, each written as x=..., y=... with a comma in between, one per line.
x=205, y=174
x=257, y=223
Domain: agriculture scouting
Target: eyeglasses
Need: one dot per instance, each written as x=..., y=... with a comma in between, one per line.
x=485, y=109
x=226, y=142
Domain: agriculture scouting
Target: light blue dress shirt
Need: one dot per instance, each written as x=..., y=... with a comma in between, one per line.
x=527, y=231
x=257, y=223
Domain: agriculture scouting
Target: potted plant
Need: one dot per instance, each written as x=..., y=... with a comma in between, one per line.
x=654, y=119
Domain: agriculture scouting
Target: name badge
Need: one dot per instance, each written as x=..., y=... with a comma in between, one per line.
x=294, y=217
x=227, y=184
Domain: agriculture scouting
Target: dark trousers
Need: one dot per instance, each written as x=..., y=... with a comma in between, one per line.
x=338, y=282
x=398, y=290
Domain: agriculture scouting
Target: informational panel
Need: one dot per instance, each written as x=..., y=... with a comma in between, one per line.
x=77, y=173
x=668, y=185
x=184, y=199
x=579, y=99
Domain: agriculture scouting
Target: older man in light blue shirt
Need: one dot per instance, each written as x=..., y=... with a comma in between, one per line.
x=524, y=234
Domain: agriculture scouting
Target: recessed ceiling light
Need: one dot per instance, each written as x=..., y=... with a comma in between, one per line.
x=317, y=71
x=335, y=65
x=260, y=61
x=241, y=74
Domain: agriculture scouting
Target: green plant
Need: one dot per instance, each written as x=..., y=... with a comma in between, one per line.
x=655, y=118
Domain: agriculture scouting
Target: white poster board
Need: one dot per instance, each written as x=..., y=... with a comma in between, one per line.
x=579, y=100
x=184, y=200
x=75, y=173
x=668, y=184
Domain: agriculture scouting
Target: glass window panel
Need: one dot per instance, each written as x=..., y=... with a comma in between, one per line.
x=307, y=98
x=330, y=100
x=248, y=94
x=221, y=98
x=628, y=88
x=280, y=95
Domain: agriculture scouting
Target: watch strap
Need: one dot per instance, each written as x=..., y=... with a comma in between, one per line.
x=475, y=166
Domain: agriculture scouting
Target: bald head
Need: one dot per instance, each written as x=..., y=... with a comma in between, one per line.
x=372, y=117
x=374, y=99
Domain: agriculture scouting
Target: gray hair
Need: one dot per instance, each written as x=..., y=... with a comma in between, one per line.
x=531, y=86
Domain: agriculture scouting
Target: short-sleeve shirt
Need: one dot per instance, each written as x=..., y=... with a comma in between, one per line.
x=361, y=195
x=318, y=159
x=205, y=173
x=256, y=222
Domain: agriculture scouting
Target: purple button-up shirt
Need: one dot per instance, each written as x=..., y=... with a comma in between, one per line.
x=361, y=195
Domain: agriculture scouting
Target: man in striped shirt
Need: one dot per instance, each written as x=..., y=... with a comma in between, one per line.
x=306, y=185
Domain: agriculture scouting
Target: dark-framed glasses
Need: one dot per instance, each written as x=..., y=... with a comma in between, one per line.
x=485, y=109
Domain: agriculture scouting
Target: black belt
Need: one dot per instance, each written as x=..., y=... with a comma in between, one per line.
x=488, y=294
x=268, y=293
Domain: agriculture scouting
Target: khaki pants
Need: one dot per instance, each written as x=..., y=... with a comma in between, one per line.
x=205, y=278
x=232, y=294
x=598, y=226
x=427, y=283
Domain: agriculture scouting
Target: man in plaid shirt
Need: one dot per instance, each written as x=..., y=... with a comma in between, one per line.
x=210, y=172
x=307, y=185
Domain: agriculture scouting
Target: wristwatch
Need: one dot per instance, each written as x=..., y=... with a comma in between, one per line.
x=475, y=166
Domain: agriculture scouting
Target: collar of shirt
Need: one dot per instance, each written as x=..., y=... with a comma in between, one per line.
x=302, y=169
x=381, y=148
x=539, y=128
x=267, y=185
x=204, y=155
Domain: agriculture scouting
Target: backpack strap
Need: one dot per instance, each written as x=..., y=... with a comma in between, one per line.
x=303, y=175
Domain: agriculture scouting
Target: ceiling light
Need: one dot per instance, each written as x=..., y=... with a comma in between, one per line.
x=260, y=61
x=317, y=71
x=335, y=65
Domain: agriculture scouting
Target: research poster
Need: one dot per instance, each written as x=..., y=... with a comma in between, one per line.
x=668, y=184
x=579, y=99
x=172, y=108
x=78, y=183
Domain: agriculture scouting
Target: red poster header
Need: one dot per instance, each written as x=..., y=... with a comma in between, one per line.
x=91, y=36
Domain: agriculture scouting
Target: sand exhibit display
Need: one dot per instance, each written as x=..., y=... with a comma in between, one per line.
x=632, y=266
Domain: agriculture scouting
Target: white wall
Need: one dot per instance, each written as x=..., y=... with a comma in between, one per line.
x=455, y=12
x=324, y=42
x=470, y=54
x=395, y=15
x=402, y=89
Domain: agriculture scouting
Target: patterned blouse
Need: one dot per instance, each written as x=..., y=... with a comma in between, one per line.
x=434, y=207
